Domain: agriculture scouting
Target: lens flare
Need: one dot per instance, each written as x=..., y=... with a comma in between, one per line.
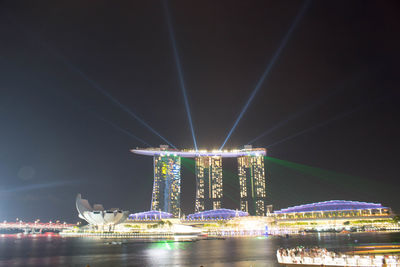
x=180, y=72
x=268, y=69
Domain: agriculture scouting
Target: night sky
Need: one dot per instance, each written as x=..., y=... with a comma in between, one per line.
x=330, y=101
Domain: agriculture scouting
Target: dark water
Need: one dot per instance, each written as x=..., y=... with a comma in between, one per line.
x=73, y=251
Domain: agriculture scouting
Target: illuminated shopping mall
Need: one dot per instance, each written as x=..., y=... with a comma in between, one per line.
x=334, y=214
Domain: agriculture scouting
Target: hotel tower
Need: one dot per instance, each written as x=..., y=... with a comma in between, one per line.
x=252, y=183
x=208, y=183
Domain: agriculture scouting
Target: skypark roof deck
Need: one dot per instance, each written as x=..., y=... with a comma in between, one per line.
x=186, y=153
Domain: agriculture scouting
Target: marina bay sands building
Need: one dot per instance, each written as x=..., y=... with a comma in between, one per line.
x=167, y=184
x=252, y=183
x=209, y=183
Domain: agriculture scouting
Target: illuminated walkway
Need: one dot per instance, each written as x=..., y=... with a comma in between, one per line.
x=35, y=225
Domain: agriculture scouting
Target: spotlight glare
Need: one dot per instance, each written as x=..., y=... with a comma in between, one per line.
x=306, y=109
x=123, y=107
x=103, y=91
x=31, y=187
x=124, y=131
x=180, y=72
x=268, y=69
x=337, y=117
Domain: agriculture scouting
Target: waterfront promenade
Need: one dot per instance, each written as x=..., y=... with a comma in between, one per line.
x=35, y=226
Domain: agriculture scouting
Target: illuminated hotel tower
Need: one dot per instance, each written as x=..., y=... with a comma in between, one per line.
x=208, y=183
x=167, y=184
x=252, y=182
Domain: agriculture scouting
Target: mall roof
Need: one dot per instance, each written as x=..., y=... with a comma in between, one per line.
x=216, y=214
x=150, y=215
x=193, y=153
x=332, y=205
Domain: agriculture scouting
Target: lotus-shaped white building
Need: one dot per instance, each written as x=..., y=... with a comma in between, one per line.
x=97, y=215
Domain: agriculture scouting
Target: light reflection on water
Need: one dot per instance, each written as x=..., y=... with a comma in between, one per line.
x=74, y=251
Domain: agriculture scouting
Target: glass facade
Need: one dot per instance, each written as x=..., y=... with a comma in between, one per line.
x=252, y=184
x=208, y=183
x=167, y=184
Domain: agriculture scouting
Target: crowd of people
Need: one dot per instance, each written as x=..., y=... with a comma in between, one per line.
x=307, y=252
x=322, y=256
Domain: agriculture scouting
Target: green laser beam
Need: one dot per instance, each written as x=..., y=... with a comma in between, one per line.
x=346, y=181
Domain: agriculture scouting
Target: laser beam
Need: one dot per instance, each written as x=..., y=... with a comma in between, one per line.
x=79, y=105
x=268, y=69
x=100, y=89
x=115, y=101
x=90, y=81
x=306, y=109
x=328, y=177
x=124, y=131
x=179, y=70
x=38, y=186
x=335, y=118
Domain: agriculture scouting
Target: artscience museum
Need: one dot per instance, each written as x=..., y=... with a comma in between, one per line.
x=98, y=216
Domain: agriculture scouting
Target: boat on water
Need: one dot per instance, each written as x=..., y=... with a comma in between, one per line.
x=322, y=257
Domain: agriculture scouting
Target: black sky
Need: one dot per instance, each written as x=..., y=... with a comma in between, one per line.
x=54, y=142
